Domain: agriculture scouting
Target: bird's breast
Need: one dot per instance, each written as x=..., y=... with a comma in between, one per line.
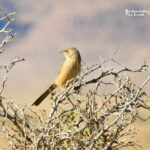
x=68, y=72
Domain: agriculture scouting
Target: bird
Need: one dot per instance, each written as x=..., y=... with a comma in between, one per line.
x=66, y=75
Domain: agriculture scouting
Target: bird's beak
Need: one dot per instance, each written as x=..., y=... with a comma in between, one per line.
x=62, y=51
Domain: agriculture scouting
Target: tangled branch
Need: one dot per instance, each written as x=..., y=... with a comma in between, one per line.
x=8, y=33
x=91, y=121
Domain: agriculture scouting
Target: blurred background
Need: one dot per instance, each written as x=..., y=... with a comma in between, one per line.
x=94, y=27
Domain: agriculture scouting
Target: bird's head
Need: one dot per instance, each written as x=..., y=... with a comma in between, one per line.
x=71, y=53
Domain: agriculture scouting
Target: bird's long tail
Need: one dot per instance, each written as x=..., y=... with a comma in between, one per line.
x=44, y=95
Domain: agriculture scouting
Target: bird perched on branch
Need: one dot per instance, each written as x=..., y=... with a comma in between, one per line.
x=67, y=73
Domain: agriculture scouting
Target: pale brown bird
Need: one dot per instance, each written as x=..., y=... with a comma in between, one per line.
x=67, y=73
